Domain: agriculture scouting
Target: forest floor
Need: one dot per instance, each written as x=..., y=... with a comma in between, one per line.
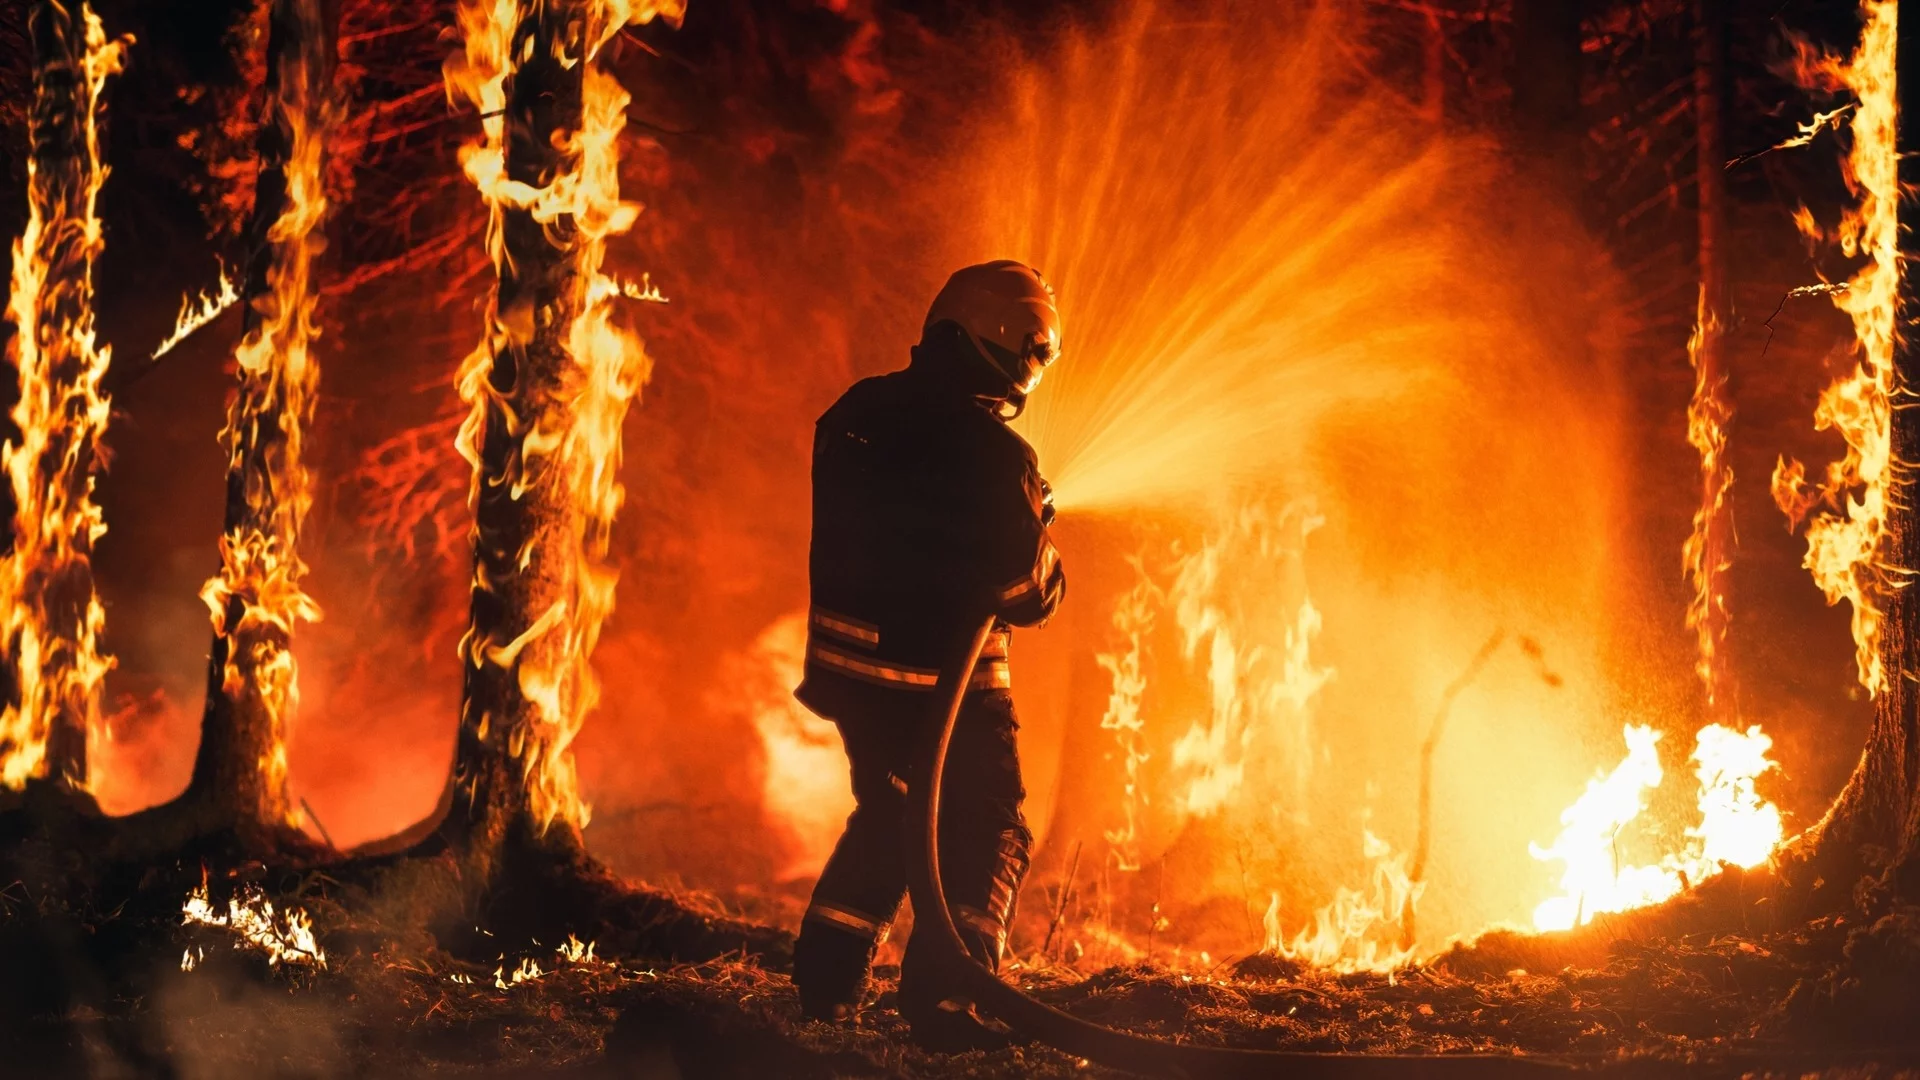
x=102, y=993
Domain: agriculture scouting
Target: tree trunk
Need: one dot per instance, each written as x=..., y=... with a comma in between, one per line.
x=1709, y=551
x=523, y=542
x=1875, y=818
x=240, y=770
x=52, y=615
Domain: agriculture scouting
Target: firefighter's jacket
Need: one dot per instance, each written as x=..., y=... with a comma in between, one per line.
x=927, y=514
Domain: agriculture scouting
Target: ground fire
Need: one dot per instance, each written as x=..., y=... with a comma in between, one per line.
x=1330, y=536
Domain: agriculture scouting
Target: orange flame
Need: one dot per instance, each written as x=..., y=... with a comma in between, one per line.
x=52, y=616
x=1845, y=541
x=1705, y=555
x=265, y=435
x=1359, y=930
x=576, y=447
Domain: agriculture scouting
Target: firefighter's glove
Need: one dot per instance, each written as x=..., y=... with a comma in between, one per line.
x=1046, y=504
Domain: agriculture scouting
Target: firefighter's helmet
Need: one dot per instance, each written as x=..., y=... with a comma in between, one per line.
x=1007, y=311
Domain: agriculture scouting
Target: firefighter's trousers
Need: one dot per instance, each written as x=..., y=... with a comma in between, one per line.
x=984, y=845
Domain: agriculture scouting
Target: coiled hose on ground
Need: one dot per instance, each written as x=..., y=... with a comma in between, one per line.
x=1107, y=1046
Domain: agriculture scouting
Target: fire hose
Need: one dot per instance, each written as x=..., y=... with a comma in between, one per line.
x=1108, y=1046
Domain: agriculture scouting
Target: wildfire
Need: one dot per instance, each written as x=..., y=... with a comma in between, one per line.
x=575, y=447
x=256, y=600
x=1736, y=827
x=1359, y=930
x=52, y=618
x=285, y=937
x=197, y=311
x=1845, y=541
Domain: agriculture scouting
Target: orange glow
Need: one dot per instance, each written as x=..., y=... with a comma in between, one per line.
x=278, y=376
x=52, y=616
x=1846, y=537
x=576, y=447
x=804, y=786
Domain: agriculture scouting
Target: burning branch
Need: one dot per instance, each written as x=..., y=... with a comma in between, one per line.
x=52, y=615
x=548, y=388
x=256, y=600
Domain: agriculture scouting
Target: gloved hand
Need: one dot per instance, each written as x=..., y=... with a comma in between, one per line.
x=1046, y=503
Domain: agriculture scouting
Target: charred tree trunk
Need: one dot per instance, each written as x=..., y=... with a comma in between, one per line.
x=239, y=774
x=522, y=541
x=52, y=615
x=1709, y=551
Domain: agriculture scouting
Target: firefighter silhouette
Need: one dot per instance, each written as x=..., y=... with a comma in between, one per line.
x=929, y=512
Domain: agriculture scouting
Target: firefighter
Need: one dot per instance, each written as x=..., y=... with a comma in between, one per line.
x=929, y=513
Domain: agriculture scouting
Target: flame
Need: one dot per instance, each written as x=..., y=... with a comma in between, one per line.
x=1253, y=706
x=256, y=600
x=285, y=938
x=1132, y=618
x=1845, y=541
x=575, y=446
x=1359, y=930
x=197, y=311
x=527, y=971
x=52, y=616
x=1736, y=827
x=1705, y=555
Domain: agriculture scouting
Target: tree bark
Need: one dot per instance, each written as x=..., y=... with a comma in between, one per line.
x=240, y=769
x=523, y=524
x=52, y=615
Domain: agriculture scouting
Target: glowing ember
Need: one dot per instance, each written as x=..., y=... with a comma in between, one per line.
x=52, y=617
x=257, y=601
x=1736, y=827
x=571, y=450
x=1845, y=540
x=284, y=937
x=198, y=311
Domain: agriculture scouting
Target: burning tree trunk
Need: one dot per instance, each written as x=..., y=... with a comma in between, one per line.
x=256, y=600
x=1709, y=550
x=1862, y=557
x=51, y=613
x=548, y=388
